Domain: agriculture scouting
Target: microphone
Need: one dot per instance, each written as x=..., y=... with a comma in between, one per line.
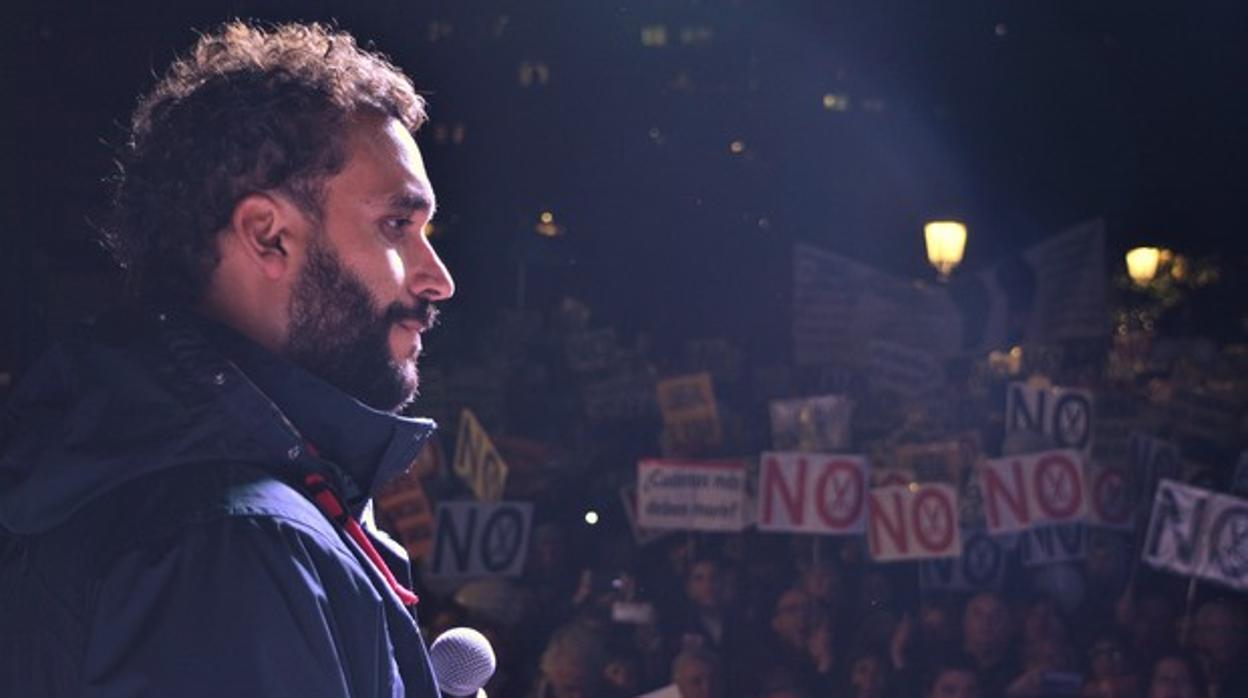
x=462, y=661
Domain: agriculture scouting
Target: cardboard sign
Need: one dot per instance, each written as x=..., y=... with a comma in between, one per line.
x=404, y=508
x=812, y=493
x=913, y=523
x=691, y=495
x=980, y=567
x=1111, y=496
x=1062, y=414
x=1194, y=531
x=1022, y=491
x=1070, y=300
x=590, y=351
x=477, y=461
x=626, y=395
x=687, y=404
x=478, y=539
x=812, y=424
x=1043, y=545
x=902, y=370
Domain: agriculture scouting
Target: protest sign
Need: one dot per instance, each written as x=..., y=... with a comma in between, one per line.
x=477, y=461
x=628, y=394
x=980, y=567
x=902, y=370
x=589, y=351
x=1111, y=496
x=1062, y=414
x=1197, y=532
x=1070, y=300
x=913, y=522
x=481, y=539
x=1043, y=545
x=840, y=304
x=405, y=509
x=691, y=495
x=1021, y=491
x=813, y=424
x=687, y=404
x=812, y=493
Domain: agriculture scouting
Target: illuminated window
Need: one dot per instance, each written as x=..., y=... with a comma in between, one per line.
x=654, y=35
x=696, y=36
x=835, y=102
x=533, y=73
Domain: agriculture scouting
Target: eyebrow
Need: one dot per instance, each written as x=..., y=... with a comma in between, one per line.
x=411, y=200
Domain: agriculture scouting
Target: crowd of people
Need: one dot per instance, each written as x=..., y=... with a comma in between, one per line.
x=753, y=616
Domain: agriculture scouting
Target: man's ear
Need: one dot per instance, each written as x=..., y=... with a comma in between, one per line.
x=264, y=229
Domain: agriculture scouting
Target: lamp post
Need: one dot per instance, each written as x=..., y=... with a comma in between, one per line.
x=946, y=241
x=1142, y=264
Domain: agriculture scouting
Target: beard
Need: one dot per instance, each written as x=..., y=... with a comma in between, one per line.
x=338, y=333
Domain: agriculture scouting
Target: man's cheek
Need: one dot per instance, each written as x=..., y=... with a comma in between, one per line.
x=397, y=269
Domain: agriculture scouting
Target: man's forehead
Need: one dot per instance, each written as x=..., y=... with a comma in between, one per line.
x=384, y=166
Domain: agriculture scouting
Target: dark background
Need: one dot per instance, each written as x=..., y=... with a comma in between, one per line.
x=1019, y=118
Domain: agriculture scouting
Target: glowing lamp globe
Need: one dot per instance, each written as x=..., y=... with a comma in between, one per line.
x=946, y=241
x=1142, y=264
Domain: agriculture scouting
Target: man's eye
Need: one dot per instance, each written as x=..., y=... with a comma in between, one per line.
x=397, y=227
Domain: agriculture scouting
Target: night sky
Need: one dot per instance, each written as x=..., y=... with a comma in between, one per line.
x=1019, y=118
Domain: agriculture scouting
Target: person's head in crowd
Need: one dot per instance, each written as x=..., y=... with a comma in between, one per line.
x=868, y=675
x=1177, y=675
x=986, y=627
x=702, y=584
x=573, y=663
x=937, y=625
x=822, y=583
x=1153, y=624
x=1048, y=654
x=822, y=645
x=1109, y=656
x=952, y=677
x=679, y=552
x=548, y=552
x=623, y=670
x=1042, y=621
x=696, y=673
x=791, y=619
x=1220, y=633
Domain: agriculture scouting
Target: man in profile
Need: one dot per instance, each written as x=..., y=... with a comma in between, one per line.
x=183, y=486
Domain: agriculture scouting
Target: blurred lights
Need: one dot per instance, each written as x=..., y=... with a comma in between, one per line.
x=546, y=226
x=430, y=229
x=591, y=517
x=737, y=147
x=946, y=242
x=835, y=102
x=654, y=35
x=1142, y=264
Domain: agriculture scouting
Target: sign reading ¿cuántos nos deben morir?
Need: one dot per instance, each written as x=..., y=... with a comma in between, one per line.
x=691, y=495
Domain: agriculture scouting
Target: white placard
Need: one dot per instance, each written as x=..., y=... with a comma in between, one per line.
x=812, y=493
x=1022, y=491
x=481, y=539
x=913, y=522
x=1194, y=531
x=691, y=495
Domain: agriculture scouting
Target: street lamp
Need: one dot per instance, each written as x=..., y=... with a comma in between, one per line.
x=946, y=241
x=1142, y=264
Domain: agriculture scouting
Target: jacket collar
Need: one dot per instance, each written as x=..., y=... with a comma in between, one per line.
x=368, y=446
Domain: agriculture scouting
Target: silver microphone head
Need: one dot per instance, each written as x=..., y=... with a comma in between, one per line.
x=462, y=660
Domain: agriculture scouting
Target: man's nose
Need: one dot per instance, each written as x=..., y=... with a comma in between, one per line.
x=430, y=279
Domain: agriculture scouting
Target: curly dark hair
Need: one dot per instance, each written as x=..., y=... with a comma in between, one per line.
x=247, y=109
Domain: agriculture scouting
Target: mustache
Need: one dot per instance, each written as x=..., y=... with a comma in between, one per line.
x=424, y=312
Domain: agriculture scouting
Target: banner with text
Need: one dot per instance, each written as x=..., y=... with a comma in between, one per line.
x=913, y=522
x=1022, y=491
x=812, y=493
x=1198, y=532
x=690, y=415
x=691, y=495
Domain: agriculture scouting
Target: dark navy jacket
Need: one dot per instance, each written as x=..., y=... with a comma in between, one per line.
x=154, y=540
